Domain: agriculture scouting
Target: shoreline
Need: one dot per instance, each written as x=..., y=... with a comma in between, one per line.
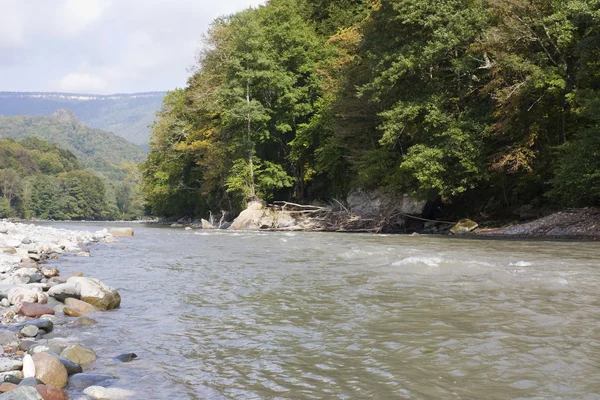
x=36, y=299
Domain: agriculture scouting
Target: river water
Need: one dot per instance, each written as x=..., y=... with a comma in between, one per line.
x=223, y=315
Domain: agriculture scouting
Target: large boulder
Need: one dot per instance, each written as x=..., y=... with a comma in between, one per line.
x=33, y=294
x=464, y=226
x=96, y=293
x=79, y=354
x=50, y=370
x=63, y=291
x=252, y=218
x=102, y=393
x=121, y=231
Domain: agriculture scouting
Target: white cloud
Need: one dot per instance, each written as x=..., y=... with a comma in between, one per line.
x=103, y=46
x=82, y=82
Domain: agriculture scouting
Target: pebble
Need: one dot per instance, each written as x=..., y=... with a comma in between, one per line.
x=49, y=392
x=29, y=330
x=72, y=368
x=7, y=387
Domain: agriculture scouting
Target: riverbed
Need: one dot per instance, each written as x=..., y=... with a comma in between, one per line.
x=273, y=315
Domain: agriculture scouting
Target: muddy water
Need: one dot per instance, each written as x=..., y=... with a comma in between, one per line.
x=219, y=315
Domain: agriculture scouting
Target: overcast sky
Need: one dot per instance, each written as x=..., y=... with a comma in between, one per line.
x=103, y=46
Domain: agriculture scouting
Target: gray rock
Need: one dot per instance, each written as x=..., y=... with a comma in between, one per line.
x=4, y=302
x=12, y=378
x=42, y=324
x=119, y=232
x=31, y=382
x=95, y=292
x=29, y=330
x=45, y=348
x=64, y=290
x=126, y=357
x=6, y=364
x=72, y=368
x=22, y=393
x=9, y=339
x=82, y=381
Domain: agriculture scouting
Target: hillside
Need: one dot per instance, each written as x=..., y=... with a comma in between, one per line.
x=96, y=149
x=126, y=115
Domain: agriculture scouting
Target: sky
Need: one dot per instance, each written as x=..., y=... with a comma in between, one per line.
x=103, y=46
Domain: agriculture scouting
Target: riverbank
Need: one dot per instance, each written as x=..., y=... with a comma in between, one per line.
x=574, y=224
x=37, y=303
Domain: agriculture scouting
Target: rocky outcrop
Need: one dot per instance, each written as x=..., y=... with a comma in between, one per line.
x=463, y=227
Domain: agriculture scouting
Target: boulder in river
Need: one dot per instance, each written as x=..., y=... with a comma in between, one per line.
x=79, y=354
x=96, y=293
x=49, y=392
x=121, y=232
x=81, y=308
x=50, y=370
x=464, y=226
x=63, y=291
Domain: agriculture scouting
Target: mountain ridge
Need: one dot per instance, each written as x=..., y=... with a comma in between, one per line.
x=128, y=115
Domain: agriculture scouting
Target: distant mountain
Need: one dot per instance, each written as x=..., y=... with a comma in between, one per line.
x=96, y=149
x=126, y=115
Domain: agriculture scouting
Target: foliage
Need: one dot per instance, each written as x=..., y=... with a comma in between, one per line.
x=40, y=180
x=487, y=104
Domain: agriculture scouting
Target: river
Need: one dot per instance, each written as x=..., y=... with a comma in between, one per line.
x=221, y=315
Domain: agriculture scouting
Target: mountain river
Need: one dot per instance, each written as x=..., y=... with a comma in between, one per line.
x=249, y=315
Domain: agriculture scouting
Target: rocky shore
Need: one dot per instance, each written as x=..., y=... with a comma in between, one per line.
x=36, y=302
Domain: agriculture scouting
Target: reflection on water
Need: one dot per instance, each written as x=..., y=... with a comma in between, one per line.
x=329, y=316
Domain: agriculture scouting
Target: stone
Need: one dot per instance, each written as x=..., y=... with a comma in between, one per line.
x=59, y=308
x=50, y=272
x=29, y=331
x=12, y=242
x=102, y=393
x=84, y=321
x=82, y=381
x=63, y=291
x=26, y=344
x=72, y=312
x=81, y=306
x=22, y=393
x=96, y=293
x=126, y=357
x=49, y=392
x=83, y=254
x=206, y=224
x=72, y=368
x=6, y=364
x=9, y=339
x=34, y=309
x=464, y=226
x=8, y=250
x=28, y=366
x=13, y=377
x=50, y=370
x=251, y=218
x=44, y=348
x=43, y=324
x=110, y=239
x=7, y=387
x=31, y=381
x=32, y=294
x=5, y=303
x=79, y=354
x=121, y=232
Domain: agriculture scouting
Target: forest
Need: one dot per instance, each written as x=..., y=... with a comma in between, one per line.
x=41, y=180
x=480, y=107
